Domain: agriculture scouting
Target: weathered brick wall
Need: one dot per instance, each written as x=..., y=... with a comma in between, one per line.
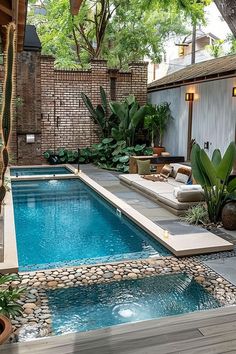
x=52, y=108
x=66, y=121
x=28, y=108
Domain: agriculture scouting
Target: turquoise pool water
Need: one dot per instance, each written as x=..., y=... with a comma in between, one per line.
x=63, y=222
x=39, y=171
x=104, y=305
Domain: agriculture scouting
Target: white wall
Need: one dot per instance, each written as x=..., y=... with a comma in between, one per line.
x=214, y=115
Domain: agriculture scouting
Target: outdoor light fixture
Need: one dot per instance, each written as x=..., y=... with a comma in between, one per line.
x=234, y=92
x=189, y=96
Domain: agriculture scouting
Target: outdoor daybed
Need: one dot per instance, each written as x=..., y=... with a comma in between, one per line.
x=164, y=193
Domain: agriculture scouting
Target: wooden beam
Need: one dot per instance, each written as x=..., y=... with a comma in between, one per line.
x=6, y=10
x=4, y=19
x=15, y=6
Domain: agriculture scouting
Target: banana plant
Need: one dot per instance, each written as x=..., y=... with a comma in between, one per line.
x=7, y=109
x=213, y=175
x=130, y=115
x=100, y=114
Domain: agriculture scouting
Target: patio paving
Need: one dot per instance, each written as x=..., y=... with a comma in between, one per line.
x=110, y=181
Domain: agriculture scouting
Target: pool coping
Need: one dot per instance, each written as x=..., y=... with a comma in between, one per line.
x=180, y=245
x=10, y=257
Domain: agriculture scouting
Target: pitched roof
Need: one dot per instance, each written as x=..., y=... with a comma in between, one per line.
x=207, y=70
x=31, y=42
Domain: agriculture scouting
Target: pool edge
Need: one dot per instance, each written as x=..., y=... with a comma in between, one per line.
x=155, y=231
x=10, y=257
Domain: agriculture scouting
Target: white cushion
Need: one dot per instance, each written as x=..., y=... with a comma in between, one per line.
x=181, y=177
x=191, y=187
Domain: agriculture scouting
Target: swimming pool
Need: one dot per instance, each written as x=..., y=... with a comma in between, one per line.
x=63, y=222
x=39, y=171
x=104, y=305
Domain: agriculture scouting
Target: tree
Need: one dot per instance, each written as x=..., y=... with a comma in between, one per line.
x=117, y=30
x=227, y=9
x=216, y=48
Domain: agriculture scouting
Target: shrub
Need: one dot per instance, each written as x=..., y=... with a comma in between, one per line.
x=9, y=297
x=213, y=175
x=61, y=156
x=113, y=155
x=197, y=215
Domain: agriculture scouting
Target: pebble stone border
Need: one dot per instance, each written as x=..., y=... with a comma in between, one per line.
x=35, y=303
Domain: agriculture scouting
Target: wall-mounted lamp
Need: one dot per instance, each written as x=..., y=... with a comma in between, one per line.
x=30, y=138
x=234, y=92
x=189, y=96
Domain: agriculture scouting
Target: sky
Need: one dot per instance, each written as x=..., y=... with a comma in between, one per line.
x=216, y=24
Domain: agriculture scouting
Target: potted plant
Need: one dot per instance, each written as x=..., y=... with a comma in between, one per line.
x=9, y=305
x=156, y=122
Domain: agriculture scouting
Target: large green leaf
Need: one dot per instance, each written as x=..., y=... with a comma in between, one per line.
x=134, y=108
x=209, y=168
x=138, y=116
x=89, y=105
x=124, y=159
x=119, y=109
x=116, y=134
x=107, y=140
x=197, y=168
x=225, y=167
x=216, y=157
x=103, y=98
x=130, y=100
x=232, y=186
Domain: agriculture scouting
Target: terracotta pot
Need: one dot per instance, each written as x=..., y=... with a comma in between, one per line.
x=5, y=329
x=229, y=216
x=158, y=150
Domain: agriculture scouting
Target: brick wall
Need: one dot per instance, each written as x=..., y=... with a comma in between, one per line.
x=66, y=121
x=52, y=107
x=28, y=108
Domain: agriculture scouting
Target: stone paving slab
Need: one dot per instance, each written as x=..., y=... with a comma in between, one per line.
x=226, y=267
x=177, y=227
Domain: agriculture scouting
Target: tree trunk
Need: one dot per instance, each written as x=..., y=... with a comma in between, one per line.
x=227, y=9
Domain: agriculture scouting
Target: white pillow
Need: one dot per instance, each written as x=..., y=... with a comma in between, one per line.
x=180, y=177
x=176, y=191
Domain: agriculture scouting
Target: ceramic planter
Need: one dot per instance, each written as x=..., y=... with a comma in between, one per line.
x=158, y=150
x=5, y=329
x=229, y=216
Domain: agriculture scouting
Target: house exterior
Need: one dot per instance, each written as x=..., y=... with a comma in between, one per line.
x=212, y=123
x=178, y=54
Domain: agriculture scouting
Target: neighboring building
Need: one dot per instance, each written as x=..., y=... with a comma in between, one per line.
x=178, y=54
x=214, y=108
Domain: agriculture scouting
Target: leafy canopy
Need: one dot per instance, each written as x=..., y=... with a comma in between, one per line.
x=117, y=30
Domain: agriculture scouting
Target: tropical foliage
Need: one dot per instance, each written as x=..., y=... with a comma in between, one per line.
x=118, y=133
x=100, y=114
x=120, y=31
x=61, y=156
x=10, y=296
x=130, y=115
x=156, y=121
x=213, y=175
x=114, y=155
